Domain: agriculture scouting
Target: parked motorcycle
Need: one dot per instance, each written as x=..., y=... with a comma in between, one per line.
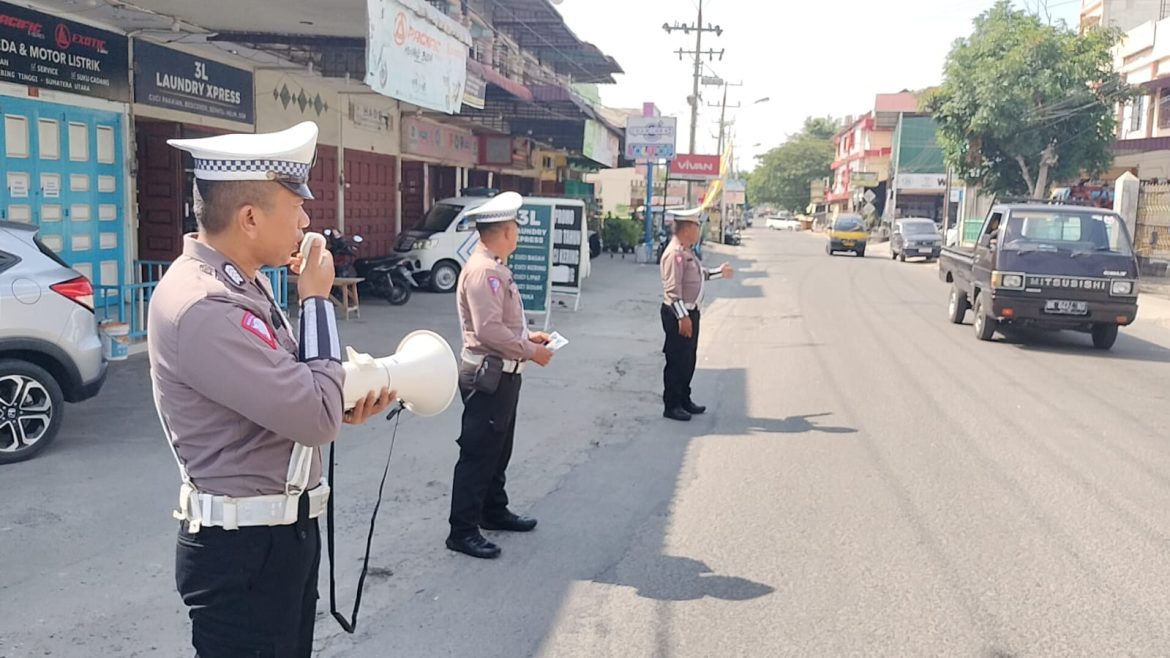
x=344, y=252
x=388, y=277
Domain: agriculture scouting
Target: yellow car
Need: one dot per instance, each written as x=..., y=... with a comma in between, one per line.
x=847, y=234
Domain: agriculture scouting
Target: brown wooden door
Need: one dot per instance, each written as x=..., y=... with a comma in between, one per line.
x=413, y=194
x=370, y=200
x=160, y=192
x=322, y=208
x=477, y=178
x=443, y=184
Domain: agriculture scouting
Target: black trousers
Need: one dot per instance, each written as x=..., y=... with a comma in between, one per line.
x=681, y=356
x=485, y=448
x=252, y=591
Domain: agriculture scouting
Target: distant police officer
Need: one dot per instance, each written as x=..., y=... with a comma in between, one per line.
x=496, y=347
x=682, y=285
x=246, y=402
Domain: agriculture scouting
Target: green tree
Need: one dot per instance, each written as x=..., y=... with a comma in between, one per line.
x=783, y=174
x=1024, y=102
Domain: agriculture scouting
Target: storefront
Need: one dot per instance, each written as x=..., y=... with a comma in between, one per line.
x=919, y=195
x=351, y=120
x=64, y=94
x=505, y=163
x=437, y=160
x=179, y=95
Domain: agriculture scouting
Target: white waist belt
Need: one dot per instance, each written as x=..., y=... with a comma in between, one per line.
x=510, y=366
x=201, y=509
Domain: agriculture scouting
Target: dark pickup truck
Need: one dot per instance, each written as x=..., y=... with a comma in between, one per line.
x=1045, y=266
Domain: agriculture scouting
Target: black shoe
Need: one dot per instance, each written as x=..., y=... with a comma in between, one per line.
x=510, y=523
x=692, y=408
x=677, y=413
x=475, y=546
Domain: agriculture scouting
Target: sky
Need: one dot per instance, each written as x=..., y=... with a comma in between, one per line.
x=824, y=57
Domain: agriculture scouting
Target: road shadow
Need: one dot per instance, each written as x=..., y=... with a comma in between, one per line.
x=672, y=578
x=739, y=286
x=794, y=425
x=1128, y=347
x=730, y=416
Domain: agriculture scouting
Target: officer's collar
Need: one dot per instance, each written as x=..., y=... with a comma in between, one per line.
x=205, y=253
x=489, y=253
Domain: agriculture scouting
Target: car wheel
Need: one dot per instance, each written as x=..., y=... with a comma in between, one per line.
x=1104, y=335
x=957, y=307
x=861, y=252
x=444, y=276
x=985, y=325
x=30, y=410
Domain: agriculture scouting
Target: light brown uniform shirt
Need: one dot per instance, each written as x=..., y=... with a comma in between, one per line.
x=227, y=380
x=682, y=275
x=491, y=312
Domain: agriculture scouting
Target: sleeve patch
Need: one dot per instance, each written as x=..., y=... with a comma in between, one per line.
x=258, y=328
x=678, y=258
x=494, y=283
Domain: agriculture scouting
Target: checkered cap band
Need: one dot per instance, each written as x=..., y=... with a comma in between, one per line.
x=487, y=217
x=290, y=171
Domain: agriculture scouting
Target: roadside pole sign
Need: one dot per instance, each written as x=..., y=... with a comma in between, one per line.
x=650, y=137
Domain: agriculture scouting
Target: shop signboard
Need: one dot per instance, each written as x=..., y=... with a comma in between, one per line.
x=172, y=79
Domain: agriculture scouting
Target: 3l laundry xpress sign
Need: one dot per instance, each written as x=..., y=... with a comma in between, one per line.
x=175, y=80
x=39, y=50
x=532, y=261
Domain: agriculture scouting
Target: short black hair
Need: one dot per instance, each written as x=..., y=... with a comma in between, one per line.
x=490, y=228
x=216, y=202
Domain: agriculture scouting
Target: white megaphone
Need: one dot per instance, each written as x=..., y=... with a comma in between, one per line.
x=423, y=371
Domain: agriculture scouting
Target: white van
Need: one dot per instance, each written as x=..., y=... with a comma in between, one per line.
x=437, y=249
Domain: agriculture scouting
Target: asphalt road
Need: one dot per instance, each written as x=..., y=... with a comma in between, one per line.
x=869, y=480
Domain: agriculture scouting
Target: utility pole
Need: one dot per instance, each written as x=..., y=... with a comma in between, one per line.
x=719, y=151
x=723, y=113
x=698, y=53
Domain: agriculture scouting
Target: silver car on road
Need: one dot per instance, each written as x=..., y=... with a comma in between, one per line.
x=50, y=349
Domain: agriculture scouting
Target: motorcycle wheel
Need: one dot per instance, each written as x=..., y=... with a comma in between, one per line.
x=398, y=295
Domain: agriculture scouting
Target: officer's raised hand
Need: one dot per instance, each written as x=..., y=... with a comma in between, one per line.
x=726, y=270
x=316, y=275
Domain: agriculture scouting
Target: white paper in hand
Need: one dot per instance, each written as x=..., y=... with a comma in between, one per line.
x=556, y=342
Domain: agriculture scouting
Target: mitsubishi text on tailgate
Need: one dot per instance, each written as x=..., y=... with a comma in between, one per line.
x=1045, y=266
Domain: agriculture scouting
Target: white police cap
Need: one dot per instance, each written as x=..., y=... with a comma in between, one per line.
x=500, y=208
x=285, y=157
x=691, y=215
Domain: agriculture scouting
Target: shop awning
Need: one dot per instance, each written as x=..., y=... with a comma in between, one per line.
x=539, y=28
x=500, y=80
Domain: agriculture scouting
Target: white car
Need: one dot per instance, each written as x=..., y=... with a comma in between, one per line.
x=781, y=224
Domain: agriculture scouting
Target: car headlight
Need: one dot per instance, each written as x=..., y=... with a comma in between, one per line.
x=1121, y=288
x=1007, y=280
x=425, y=244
